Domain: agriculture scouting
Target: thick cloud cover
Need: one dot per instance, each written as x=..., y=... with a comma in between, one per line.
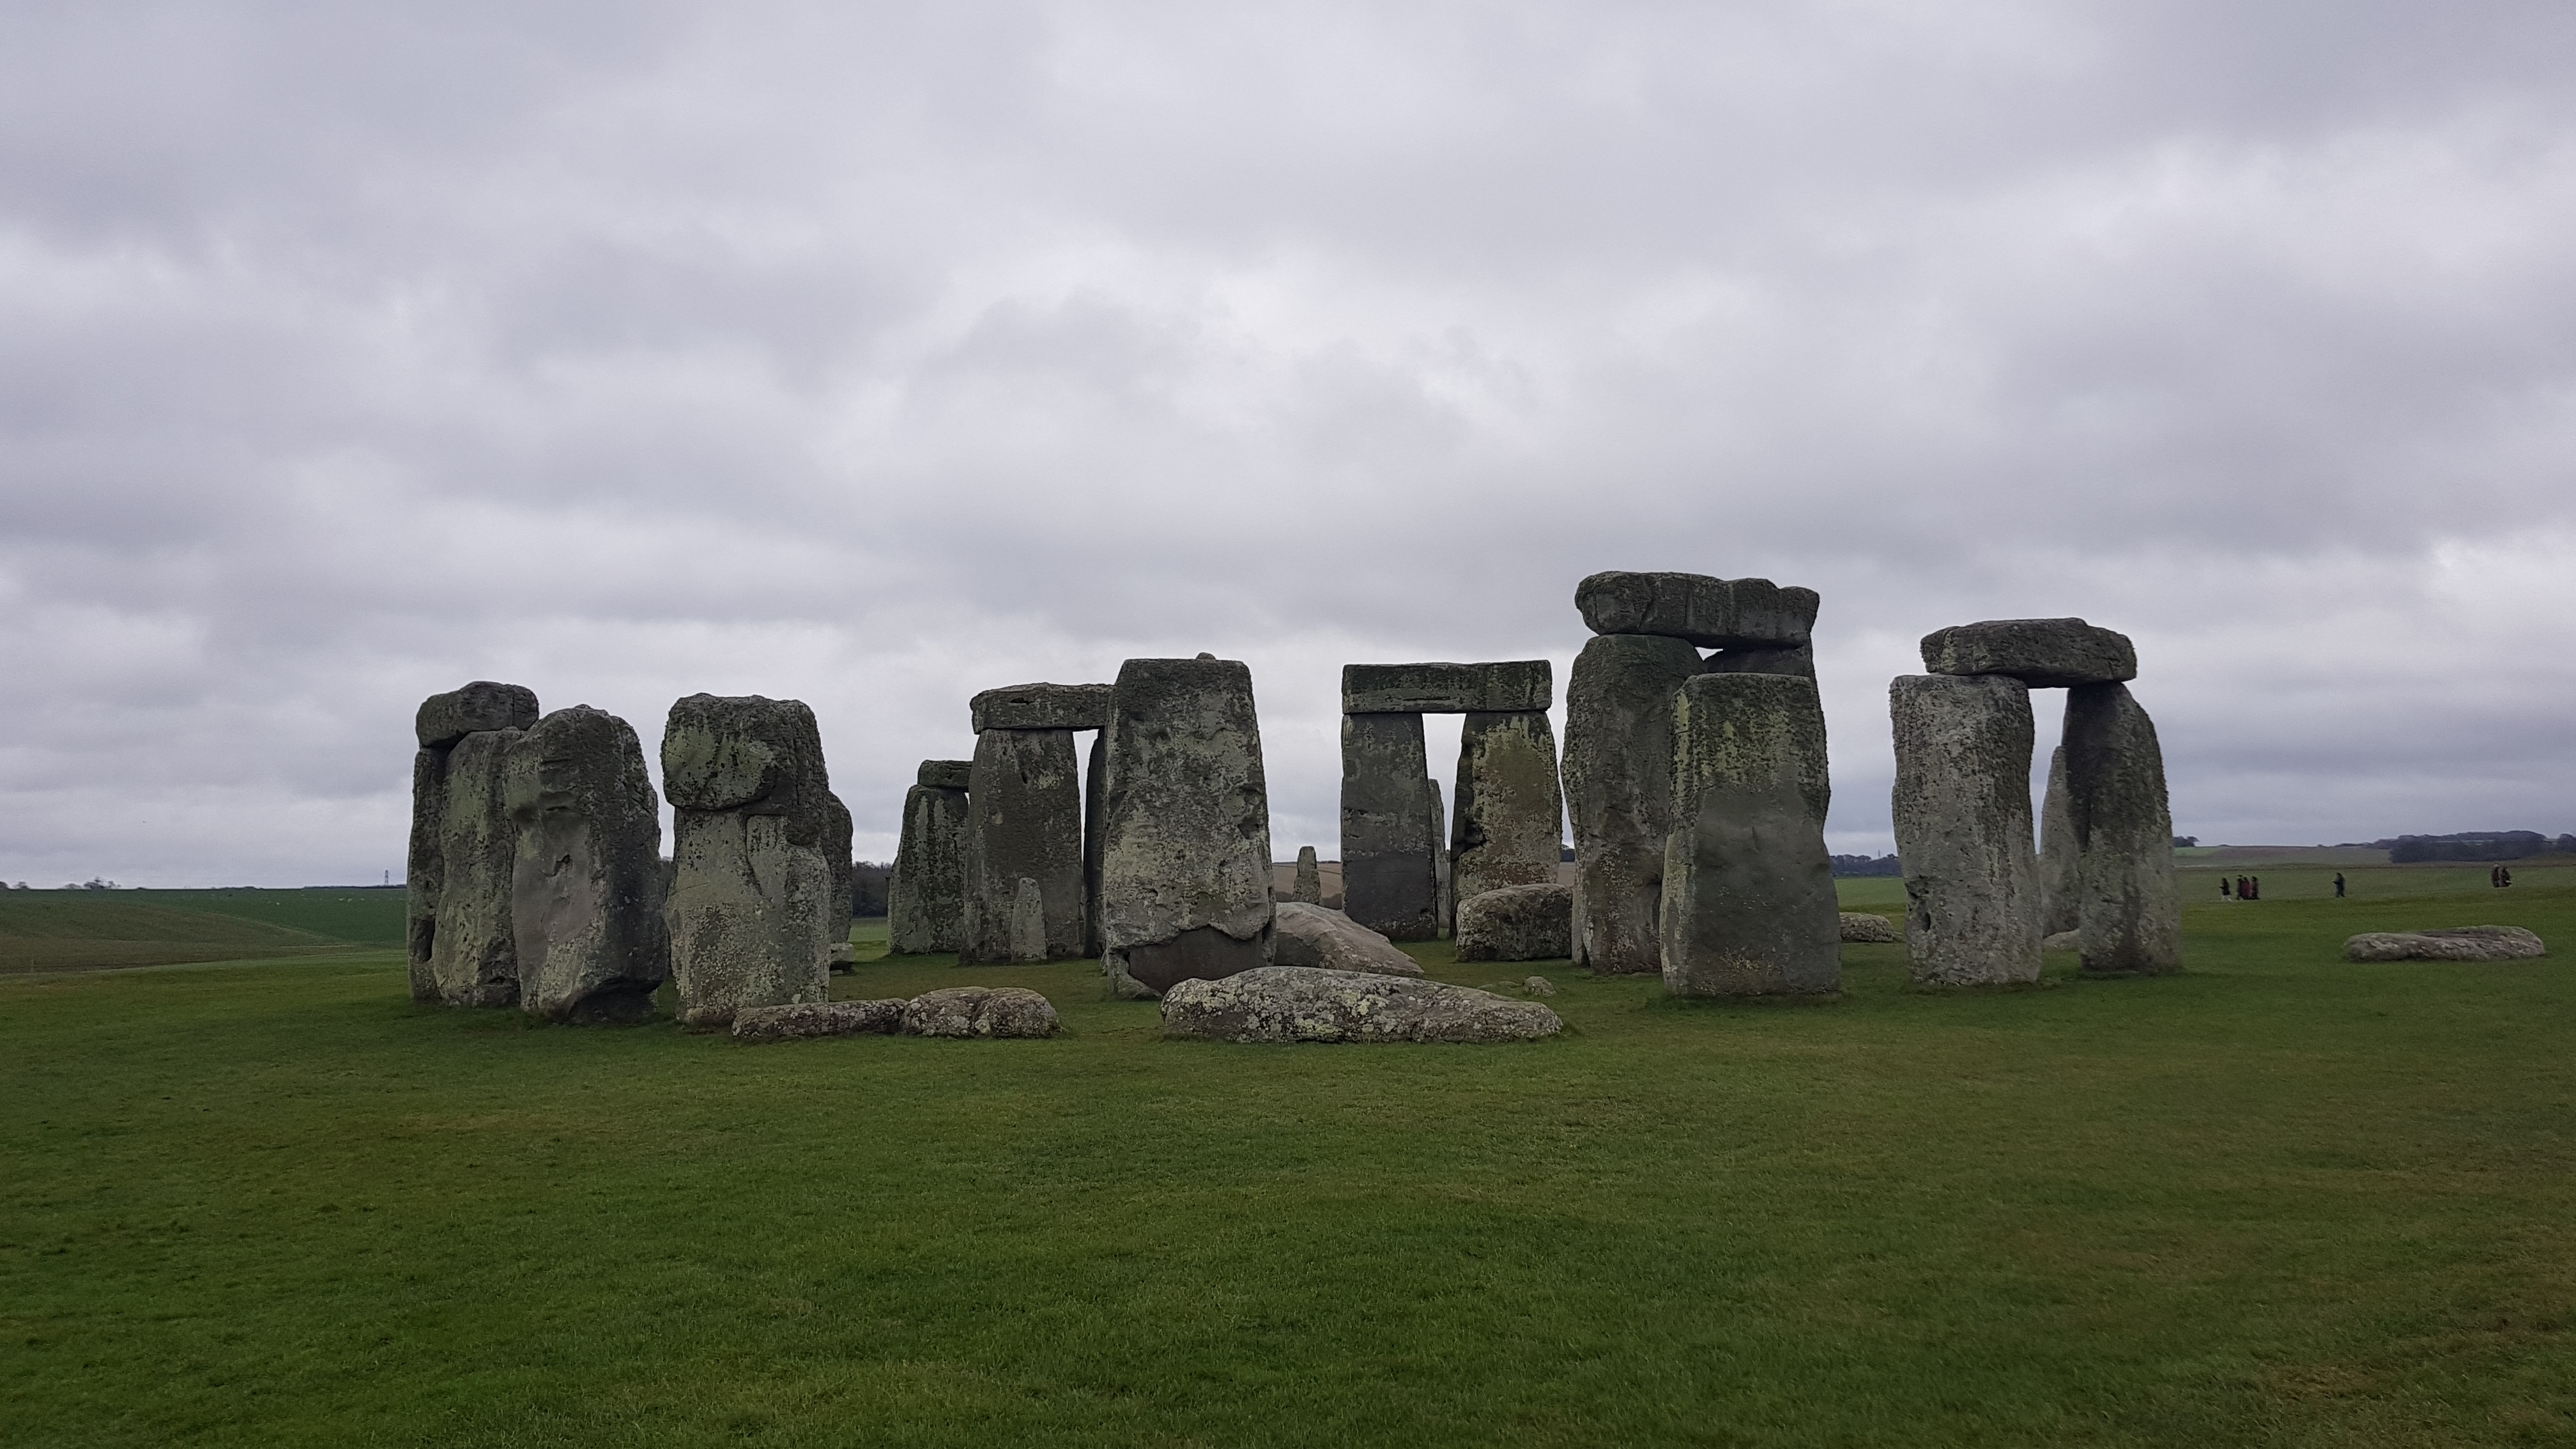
x=873, y=356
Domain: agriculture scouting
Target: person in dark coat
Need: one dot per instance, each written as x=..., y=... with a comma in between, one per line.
x=2338, y=885
x=2223, y=892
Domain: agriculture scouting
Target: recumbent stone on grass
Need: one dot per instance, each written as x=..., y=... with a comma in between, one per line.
x=1309, y=935
x=1299, y=1004
x=1517, y=923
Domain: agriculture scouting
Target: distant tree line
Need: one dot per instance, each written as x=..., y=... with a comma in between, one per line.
x=2474, y=845
x=869, y=880
x=1867, y=865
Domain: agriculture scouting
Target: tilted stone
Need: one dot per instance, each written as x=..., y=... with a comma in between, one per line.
x=1296, y=1003
x=473, y=946
x=1024, y=889
x=989, y=1011
x=1863, y=928
x=802, y=1020
x=1507, y=819
x=2059, y=907
x=1390, y=828
x=586, y=884
x=1041, y=707
x=1185, y=847
x=926, y=896
x=945, y=774
x=2459, y=943
x=1517, y=923
x=2129, y=905
x=1309, y=935
x=1619, y=792
x=2042, y=653
x=1963, y=833
x=1709, y=612
x=1518, y=684
x=751, y=914
x=1749, y=906
x=1309, y=884
x=444, y=719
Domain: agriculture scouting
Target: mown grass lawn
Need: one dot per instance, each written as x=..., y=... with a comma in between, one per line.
x=2279, y=1200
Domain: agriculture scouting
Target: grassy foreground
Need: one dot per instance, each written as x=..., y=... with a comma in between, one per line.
x=2280, y=1200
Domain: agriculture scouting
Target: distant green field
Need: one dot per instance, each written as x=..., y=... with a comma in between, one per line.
x=96, y=930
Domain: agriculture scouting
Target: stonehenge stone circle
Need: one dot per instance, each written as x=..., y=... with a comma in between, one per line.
x=1507, y=815
x=1619, y=793
x=1963, y=828
x=1517, y=923
x=2128, y=901
x=2042, y=653
x=926, y=899
x=1308, y=935
x=1185, y=821
x=1749, y=906
x=473, y=944
x=2458, y=943
x=1390, y=831
x=443, y=721
x=1519, y=684
x=751, y=913
x=1309, y=886
x=1297, y=1003
x=586, y=882
x=2059, y=909
x=1023, y=825
x=1041, y=707
x=1709, y=612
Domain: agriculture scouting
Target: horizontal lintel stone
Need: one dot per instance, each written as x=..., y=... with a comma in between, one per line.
x=1042, y=707
x=1512, y=685
x=2041, y=653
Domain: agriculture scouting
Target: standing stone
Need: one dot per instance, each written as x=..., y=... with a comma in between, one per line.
x=1749, y=907
x=925, y=900
x=2128, y=901
x=1093, y=777
x=1023, y=823
x=1962, y=812
x=1508, y=821
x=1310, y=878
x=1390, y=838
x=751, y=912
x=1439, y=837
x=1185, y=860
x=2061, y=909
x=839, y=830
x=586, y=884
x=442, y=721
x=1619, y=793
x=474, y=948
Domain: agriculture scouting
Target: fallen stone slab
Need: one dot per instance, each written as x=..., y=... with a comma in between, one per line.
x=1517, y=923
x=2457, y=943
x=1862, y=928
x=1518, y=684
x=2068, y=940
x=944, y=774
x=444, y=719
x=799, y=1020
x=1309, y=935
x=1040, y=707
x=1297, y=1003
x=2042, y=653
x=1002, y=1011
x=1709, y=612
x=1539, y=986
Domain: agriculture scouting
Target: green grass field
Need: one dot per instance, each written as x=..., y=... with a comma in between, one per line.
x=2280, y=1200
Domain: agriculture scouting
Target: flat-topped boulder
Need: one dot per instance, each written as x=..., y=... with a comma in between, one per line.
x=444, y=719
x=802, y=1020
x=1304, y=934
x=1302, y=1004
x=1041, y=707
x=944, y=774
x=998, y=1011
x=2457, y=943
x=2042, y=653
x=1517, y=923
x=1709, y=612
x=1865, y=929
x=1517, y=684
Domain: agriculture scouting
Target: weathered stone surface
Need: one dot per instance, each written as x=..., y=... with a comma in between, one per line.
x=1711, y=613
x=1749, y=906
x=1862, y=928
x=1185, y=850
x=1296, y=1003
x=2458, y=943
x=800, y=1020
x=1437, y=832
x=473, y=946
x=2042, y=653
x=751, y=912
x=1041, y=707
x=1309, y=935
x=2128, y=901
x=1023, y=835
x=999, y=1011
x=1800, y=661
x=926, y=899
x=1619, y=793
x=1517, y=684
x=1390, y=837
x=2062, y=941
x=945, y=774
x=1309, y=887
x=1539, y=986
x=838, y=831
x=1963, y=834
x=1508, y=820
x=1517, y=923
x=2060, y=908
x=443, y=719
x=586, y=878
x=1095, y=779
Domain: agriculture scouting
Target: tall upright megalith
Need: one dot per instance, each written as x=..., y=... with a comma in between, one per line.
x=1185, y=830
x=1749, y=906
x=1390, y=873
x=2129, y=903
x=1963, y=831
x=1619, y=793
x=586, y=880
x=1438, y=834
x=1023, y=834
x=926, y=898
x=2060, y=906
x=1094, y=776
x=1508, y=813
x=1308, y=886
x=457, y=875
x=750, y=912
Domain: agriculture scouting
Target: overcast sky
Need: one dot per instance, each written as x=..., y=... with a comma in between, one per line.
x=876, y=355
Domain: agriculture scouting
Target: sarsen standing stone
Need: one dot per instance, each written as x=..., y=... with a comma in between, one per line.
x=586, y=885
x=1185, y=833
x=1962, y=813
x=751, y=913
x=1619, y=793
x=1749, y=906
